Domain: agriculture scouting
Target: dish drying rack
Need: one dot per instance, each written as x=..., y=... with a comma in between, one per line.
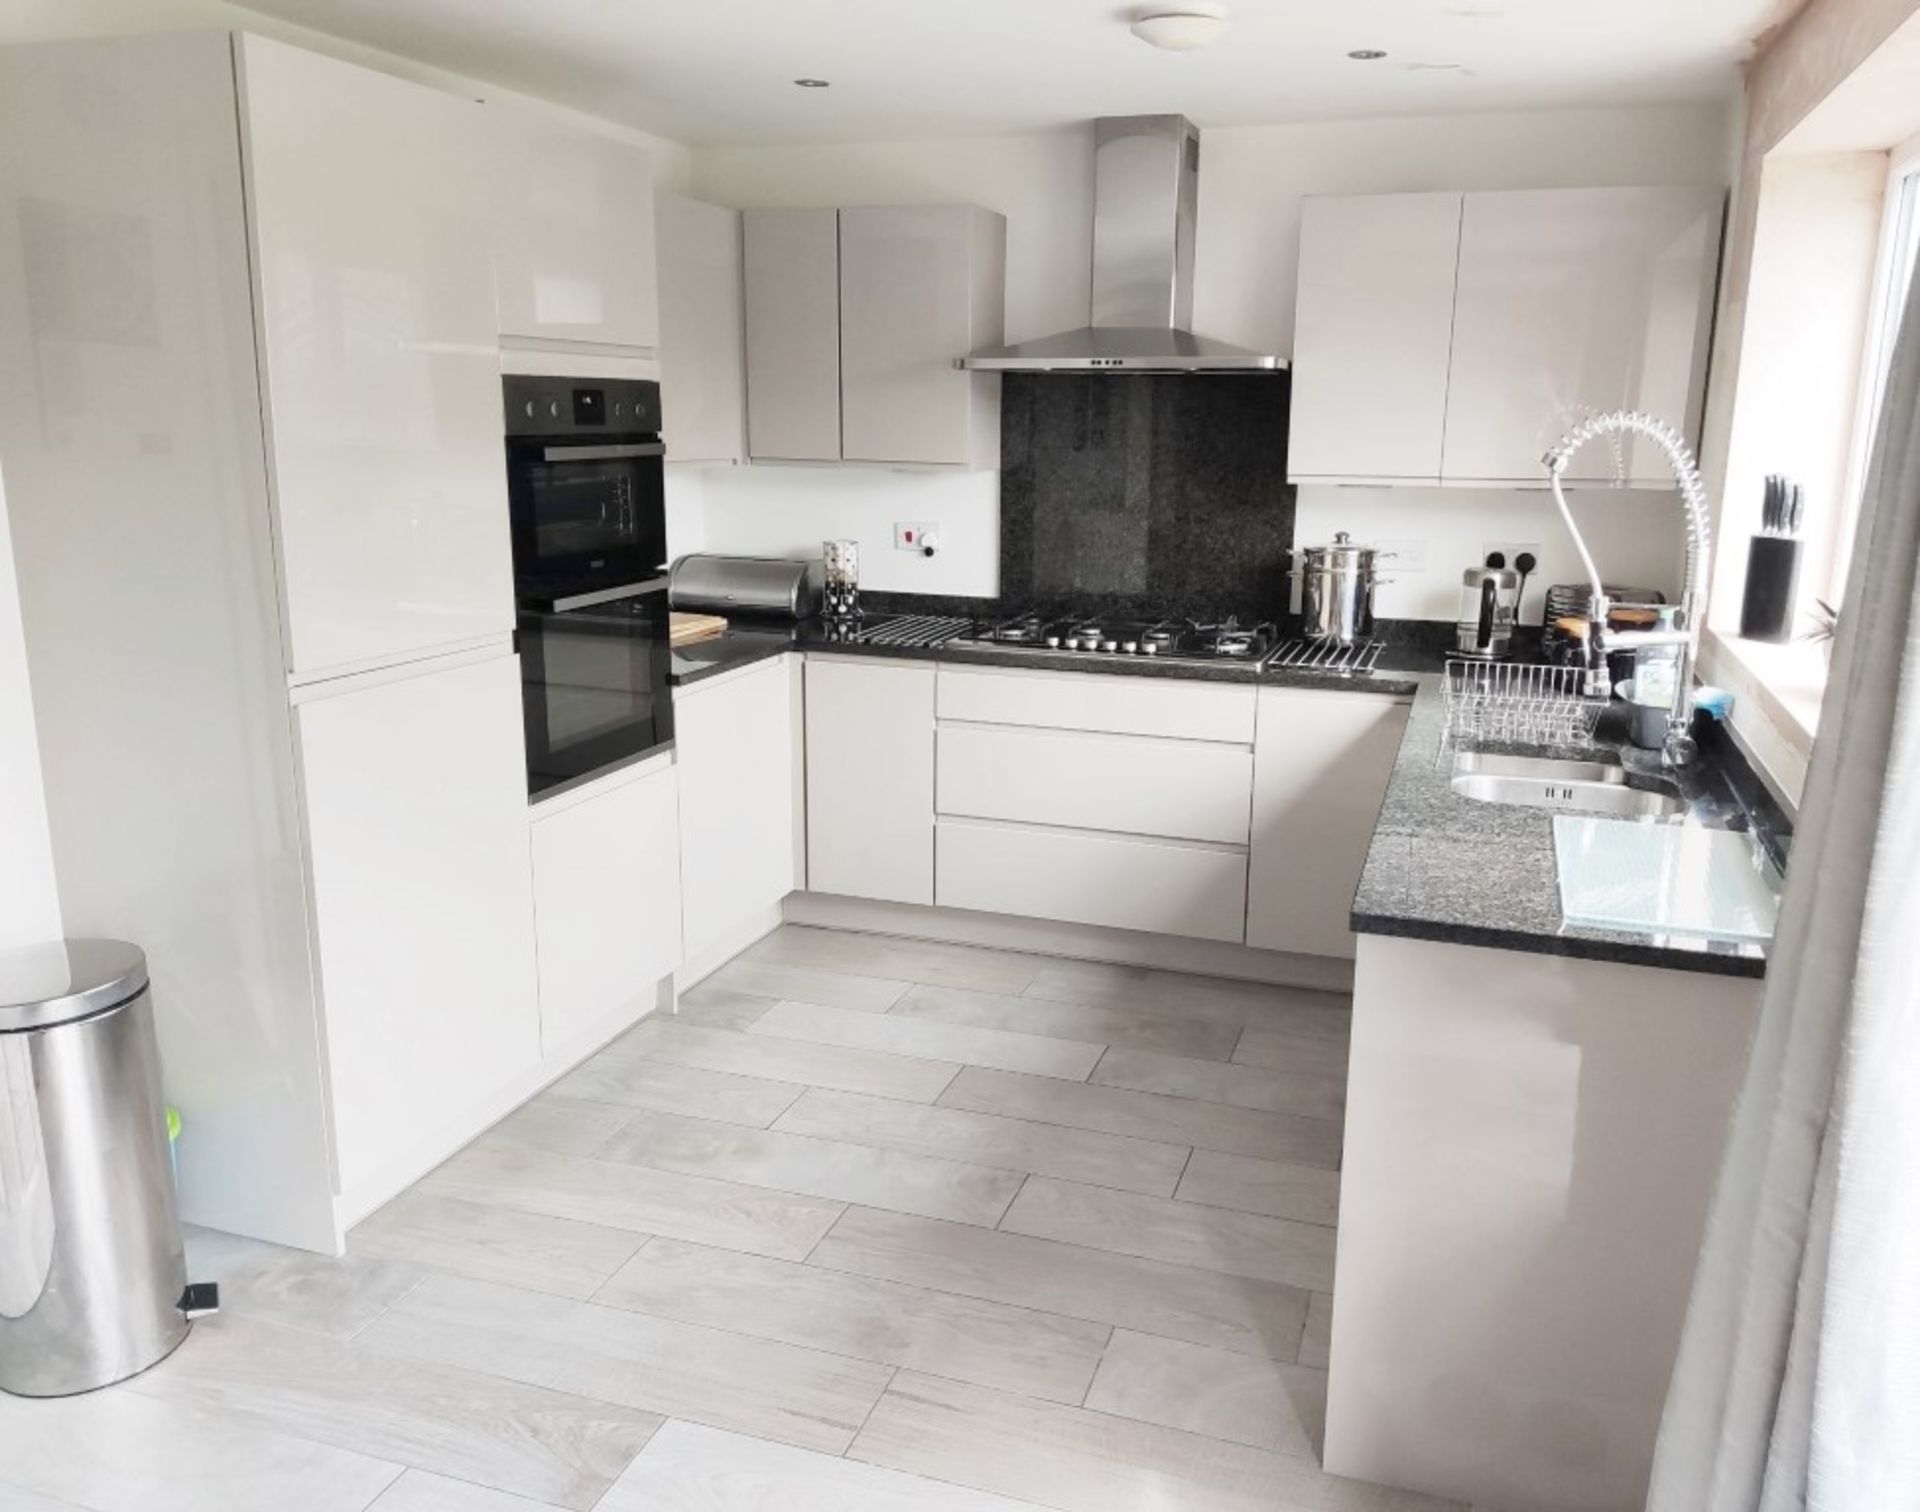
x=1526, y=704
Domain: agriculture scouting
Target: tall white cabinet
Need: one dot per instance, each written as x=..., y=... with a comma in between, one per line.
x=870, y=759
x=1452, y=338
x=249, y=397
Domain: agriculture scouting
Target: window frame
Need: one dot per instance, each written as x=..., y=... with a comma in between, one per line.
x=1899, y=243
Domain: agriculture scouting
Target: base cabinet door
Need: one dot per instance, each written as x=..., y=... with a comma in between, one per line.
x=870, y=779
x=606, y=905
x=1321, y=762
x=738, y=760
x=415, y=797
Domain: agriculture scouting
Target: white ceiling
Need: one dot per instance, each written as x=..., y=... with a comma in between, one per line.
x=721, y=71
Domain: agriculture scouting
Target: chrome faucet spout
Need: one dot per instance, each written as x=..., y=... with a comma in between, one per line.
x=1679, y=747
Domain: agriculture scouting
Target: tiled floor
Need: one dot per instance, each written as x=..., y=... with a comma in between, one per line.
x=872, y=1225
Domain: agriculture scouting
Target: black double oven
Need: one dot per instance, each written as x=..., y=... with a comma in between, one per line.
x=585, y=488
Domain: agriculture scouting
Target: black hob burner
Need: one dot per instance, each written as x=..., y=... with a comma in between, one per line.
x=1172, y=639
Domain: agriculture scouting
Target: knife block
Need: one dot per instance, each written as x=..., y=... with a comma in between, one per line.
x=1773, y=573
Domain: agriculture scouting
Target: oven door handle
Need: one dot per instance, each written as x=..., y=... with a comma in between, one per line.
x=620, y=453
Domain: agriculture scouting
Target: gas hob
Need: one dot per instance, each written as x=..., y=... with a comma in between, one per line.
x=1162, y=640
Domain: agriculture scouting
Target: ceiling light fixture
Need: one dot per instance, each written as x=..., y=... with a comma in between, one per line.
x=1194, y=25
x=1366, y=55
x=812, y=83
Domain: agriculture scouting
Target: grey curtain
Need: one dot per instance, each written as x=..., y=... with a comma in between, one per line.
x=1798, y=1381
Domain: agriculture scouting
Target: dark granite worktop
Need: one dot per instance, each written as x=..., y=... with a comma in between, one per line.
x=1457, y=870
x=1410, y=652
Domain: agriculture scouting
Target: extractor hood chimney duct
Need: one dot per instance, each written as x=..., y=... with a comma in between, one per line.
x=1146, y=186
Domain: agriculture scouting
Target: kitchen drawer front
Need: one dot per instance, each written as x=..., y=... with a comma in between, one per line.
x=1177, y=789
x=1098, y=701
x=1080, y=877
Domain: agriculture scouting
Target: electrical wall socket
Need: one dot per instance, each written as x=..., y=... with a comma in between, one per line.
x=1511, y=550
x=915, y=535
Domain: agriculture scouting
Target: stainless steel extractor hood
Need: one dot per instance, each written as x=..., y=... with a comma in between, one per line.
x=1146, y=181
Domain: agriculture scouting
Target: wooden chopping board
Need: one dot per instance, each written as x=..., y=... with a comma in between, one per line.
x=686, y=629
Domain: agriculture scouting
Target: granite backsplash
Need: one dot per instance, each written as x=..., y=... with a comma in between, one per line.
x=1146, y=493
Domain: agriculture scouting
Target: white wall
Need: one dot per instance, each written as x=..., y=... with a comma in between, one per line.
x=1252, y=181
x=29, y=903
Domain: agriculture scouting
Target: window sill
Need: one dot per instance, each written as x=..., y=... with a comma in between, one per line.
x=1777, y=692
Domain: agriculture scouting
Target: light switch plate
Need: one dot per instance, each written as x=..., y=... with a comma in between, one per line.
x=912, y=535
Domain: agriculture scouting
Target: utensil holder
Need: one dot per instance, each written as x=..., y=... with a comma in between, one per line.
x=1773, y=574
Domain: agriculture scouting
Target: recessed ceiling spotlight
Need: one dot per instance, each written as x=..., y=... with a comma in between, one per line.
x=812, y=83
x=1366, y=55
x=1195, y=24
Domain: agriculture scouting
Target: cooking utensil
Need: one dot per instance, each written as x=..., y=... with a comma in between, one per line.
x=1336, y=590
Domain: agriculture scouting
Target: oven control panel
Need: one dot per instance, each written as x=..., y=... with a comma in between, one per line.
x=581, y=406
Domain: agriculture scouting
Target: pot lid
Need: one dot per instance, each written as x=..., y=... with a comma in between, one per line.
x=1342, y=548
x=64, y=980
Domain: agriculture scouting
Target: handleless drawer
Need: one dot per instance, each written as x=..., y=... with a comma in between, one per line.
x=1180, y=789
x=1098, y=701
x=1079, y=877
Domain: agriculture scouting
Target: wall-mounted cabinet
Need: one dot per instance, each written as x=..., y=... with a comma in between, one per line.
x=854, y=321
x=1452, y=338
x=703, y=372
x=572, y=235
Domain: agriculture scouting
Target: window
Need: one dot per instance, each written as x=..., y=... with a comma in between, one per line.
x=1899, y=254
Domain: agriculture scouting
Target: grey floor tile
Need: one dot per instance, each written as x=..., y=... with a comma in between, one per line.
x=1081, y=1461
x=546, y=1444
x=565, y=1125
x=773, y=1058
x=826, y=1168
x=1140, y=1029
x=317, y=1292
x=419, y=1491
x=713, y=1007
x=1013, y=1144
x=806, y=984
x=1273, y=1187
x=1181, y=1233
x=1014, y=1348
x=1219, y=1000
x=1232, y=1312
x=559, y=1255
x=1147, y=1115
x=707, y=1375
x=1303, y=1095
x=688, y=1468
x=930, y=961
x=1316, y=1338
x=621, y=1076
x=19, y=1499
x=930, y=1039
x=616, y=1195
x=124, y=1451
x=1284, y=1050
x=1264, y=1404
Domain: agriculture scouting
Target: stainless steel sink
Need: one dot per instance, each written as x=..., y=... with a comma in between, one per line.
x=1594, y=787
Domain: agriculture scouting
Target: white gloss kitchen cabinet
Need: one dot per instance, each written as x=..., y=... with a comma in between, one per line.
x=1452, y=338
x=742, y=806
x=283, y=753
x=702, y=331
x=573, y=235
x=854, y=321
x=606, y=901
x=870, y=778
x=1113, y=801
x=1321, y=763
